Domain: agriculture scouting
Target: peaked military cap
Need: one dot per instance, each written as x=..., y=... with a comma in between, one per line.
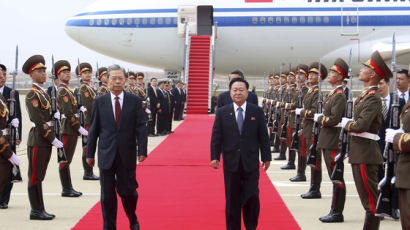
x=61, y=66
x=341, y=67
x=101, y=71
x=293, y=71
x=33, y=63
x=131, y=75
x=303, y=69
x=377, y=64
x=83, y=67
x=276, y=75
x=314, y=67
x=271, y=76
x=140, y=75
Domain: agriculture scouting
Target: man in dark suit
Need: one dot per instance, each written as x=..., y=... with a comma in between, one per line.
x=5, y=91
x=387, y=101
x=153, y=95
x=403, y=81
x=117, y=120
x=177, y=92
x=346, y=89
x=225, y=97
x=239, y=132
x=50, y=88
x=163, y=111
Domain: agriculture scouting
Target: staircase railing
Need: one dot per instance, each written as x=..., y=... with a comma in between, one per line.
x=211, y=67
x=186, y=60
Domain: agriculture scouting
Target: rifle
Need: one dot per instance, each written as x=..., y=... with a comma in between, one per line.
x=284, y=133
x=312, y=158
x=275, y=129
x=337, y=174
x=384, y=203
x=98, y=75
x=61, y=156
x=295, y=135
x=16, y=174
x=79, y=103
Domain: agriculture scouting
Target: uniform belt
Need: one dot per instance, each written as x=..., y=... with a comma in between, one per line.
x=5, y=132
x=367, y=135
x=64, y=116
x=49, y=123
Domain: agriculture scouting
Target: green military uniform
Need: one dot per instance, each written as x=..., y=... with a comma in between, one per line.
x=301, y=168
x=67, y=106
x=5, y=149
x=87, y=96
x=131, y=89
x=364, y=154
x=39, y=141
x=402, y=143
x=334, y=107
x=283, y=145
x=310, y=107
x=275, y=96
x=103, y=89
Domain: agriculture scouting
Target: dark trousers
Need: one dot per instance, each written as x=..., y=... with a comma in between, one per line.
x=5, y=183
x=404, y=196
x=177, y=112
x=154, y=114
x=124, y=181
x=365, y=178
x=169, y=123
x=241, y=194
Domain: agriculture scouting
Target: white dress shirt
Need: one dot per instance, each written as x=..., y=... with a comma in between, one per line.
x=2, y=89
x=235, y=107
x=121, y=99
x=406, y=95
x=387, y=100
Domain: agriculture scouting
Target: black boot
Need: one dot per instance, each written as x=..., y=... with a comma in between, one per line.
x=338, y=199
x=314, y=191
x=65, y=179
x=332, y=217
x=88, y=171
x=371, y=222
x=312, y=194
x=37, y=207
x=276, y=146
x=282, y=154
x=300, y=176
x=291, y=161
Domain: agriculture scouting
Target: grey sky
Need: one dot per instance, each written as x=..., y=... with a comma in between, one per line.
x=38, y=28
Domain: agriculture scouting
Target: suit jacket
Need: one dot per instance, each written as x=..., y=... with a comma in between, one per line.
x=225, y=99
x=346, y=91
x=165, y=101
x=234, y=145
x=386, y=122
x=177, y=95
x=6, y=95
x=117, y=140
x=153, y=98
x=402, y=143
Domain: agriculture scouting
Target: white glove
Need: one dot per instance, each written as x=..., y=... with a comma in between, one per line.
x=390, y=133
x=83, y=131
x=15, y=123
x=316, y=116
x=287, y=105
x=277, y=104
x=14, y=159
x=57, y=115
x=298, y=111
x=83, y=109
x=344, y=121
x=148, y=111
x=58, y=144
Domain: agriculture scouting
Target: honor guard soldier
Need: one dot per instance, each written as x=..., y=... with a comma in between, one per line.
x=131, y=83
x=301, y=78
x=275, y=96
x=290, y=110
x=87, y=95
x=103, y=77
x=41, y=136
x=280, y=104
x=70, y=125
x=364, y=154
x=401, y=142
x=334, y=106
x=308, y=111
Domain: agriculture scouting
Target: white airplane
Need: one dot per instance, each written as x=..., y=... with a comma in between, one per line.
x=256, y=36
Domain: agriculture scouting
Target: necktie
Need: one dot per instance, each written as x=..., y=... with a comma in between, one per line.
x=403, y=96
x=239, y=120
x=117, y=111
x=384, y=108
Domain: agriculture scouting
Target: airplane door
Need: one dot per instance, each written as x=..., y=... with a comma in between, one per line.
x=349, y=20
x=187, y=15
x=205, y=20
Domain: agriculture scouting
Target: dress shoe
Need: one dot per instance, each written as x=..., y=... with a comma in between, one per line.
x=70, y=193
x=4, y=206
x=40, y=215
x=135, y=227
x=279, y=158
x=332, y=217
x=312, y=195
x=395, y=214
x=298, y=178
x=90, y=177
x=288, y=166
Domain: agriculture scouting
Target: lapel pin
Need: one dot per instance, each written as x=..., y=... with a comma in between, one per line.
x=253, y=118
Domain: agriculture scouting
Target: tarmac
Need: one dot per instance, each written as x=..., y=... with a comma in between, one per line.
x=68, y=211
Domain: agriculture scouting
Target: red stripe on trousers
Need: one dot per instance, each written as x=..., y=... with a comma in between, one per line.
x=333, y=158
x=33, y=163
x=289, y=137
x=303, y=146
x=62, y=165
x=366, y=186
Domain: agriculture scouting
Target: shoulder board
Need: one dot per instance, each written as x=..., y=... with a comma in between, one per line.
x=339, y=91
x=372, y=92
x=316, y=89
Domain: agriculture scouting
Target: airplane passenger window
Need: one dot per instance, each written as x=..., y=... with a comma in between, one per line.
x=99, y=22
x=167, y=21
x=91, y=22
x=152, y=21
x=254, y=20
x=278, y=20
x=326, y=19
x=302, y=20
x=144, y=21
x=129, y=21
x=318, y=19
x=310, y=19
x=270, y=20
x=121, y=21
x=262, y=20
x=294, y=20
x=160, y=21
x=286, y=20
x=174, y=21
x=114, y=21
x=353, y=19
x=137, y=21
x=106, y=22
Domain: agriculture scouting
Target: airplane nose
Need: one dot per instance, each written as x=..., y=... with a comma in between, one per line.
x=72, y=31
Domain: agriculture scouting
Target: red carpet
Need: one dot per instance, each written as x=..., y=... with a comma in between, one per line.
x=179, y=190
